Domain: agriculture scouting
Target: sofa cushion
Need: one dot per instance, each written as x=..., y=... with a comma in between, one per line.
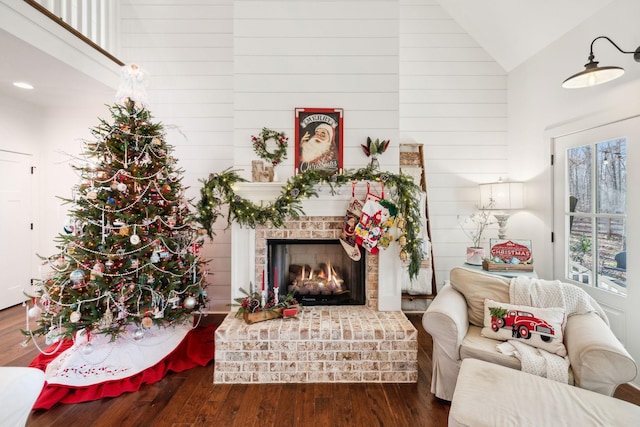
x=538, y=327
x=476, y=286
x=475, y=346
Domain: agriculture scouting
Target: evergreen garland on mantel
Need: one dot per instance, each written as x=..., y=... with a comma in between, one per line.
x=218, y=190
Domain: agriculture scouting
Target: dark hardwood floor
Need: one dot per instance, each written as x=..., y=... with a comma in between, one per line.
x=191, y=399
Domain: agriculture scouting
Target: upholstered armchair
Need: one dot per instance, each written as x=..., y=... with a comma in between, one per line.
x=456, y=317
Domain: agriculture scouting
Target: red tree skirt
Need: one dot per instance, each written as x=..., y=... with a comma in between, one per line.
x=196, y=349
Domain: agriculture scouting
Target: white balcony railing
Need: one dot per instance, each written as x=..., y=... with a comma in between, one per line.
x=96, y=20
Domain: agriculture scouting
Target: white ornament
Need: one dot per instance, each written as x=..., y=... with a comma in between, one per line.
x=122, y=187
x=138, y=334
x=92, y=195
x=75, y=317
x=134, y=239
x=34, y=312
x=189, y=302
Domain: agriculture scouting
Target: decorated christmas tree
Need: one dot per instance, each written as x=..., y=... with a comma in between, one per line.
x=129, y=254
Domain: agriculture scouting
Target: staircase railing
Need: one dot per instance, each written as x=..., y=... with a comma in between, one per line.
x=92, y=21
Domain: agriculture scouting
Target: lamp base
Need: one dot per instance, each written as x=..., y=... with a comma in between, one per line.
x=502, y=225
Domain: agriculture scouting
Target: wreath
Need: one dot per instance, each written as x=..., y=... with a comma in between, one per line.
x=260, y=145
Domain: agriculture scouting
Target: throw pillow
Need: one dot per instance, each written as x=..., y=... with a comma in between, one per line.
x=476, y=286
x=542, y=328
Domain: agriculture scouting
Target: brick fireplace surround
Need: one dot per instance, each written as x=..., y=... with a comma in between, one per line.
x=325, y=343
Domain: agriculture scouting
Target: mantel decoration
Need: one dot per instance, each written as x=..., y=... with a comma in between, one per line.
x=373, y=149
x=260, y=146
x=218, y=190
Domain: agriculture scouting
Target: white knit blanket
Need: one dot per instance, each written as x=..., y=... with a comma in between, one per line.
x=546, y=293
x=553, y=293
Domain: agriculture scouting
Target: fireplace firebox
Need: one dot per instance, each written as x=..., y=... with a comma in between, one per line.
x=318, y=272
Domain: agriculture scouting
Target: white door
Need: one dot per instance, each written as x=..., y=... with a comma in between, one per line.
x=15, y=227
x=596, y=206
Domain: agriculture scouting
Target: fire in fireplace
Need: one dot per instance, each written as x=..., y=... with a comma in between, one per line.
x=319, y=272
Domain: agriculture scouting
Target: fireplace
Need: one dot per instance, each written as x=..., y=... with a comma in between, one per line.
x=249, y=245
x=317, y=271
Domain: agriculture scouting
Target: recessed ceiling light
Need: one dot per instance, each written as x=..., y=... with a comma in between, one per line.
x=23, y=85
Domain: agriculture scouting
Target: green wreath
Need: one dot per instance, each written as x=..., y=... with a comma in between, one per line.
x=260, y=145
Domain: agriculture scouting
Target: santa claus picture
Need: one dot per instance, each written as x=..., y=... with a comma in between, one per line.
x=318, y=139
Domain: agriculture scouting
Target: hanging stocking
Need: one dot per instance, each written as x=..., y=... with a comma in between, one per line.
x=388, y=217
x=368, y=230
x=351, y=218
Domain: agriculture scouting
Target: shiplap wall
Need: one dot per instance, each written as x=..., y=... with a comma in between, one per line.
x=220, y=70
x=341, y=54
x=453, y=99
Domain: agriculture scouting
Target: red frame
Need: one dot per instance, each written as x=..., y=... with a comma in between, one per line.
x=307, y=119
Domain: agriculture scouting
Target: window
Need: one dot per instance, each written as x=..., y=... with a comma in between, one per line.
x=595, y=214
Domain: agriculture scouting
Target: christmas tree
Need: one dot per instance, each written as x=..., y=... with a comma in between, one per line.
x=129, y=253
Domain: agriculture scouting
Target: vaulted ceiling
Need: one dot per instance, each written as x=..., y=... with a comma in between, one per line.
x=511, y=31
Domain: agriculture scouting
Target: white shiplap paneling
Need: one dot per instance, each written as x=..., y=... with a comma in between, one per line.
x=453, y=99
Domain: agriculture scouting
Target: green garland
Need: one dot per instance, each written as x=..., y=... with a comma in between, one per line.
x=260, y=145
x=218, y=191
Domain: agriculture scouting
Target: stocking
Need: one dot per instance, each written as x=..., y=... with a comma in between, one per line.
x=388, y=217
x=368, y=230
x=351, y=218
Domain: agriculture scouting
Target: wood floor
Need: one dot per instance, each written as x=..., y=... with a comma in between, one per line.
x=191, y=399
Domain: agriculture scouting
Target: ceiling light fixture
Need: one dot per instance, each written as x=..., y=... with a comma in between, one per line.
x=594, y=75
x=23, y=85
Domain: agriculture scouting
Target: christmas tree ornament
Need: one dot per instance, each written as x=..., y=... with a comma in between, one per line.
x=92, y=195
x=75, y=317
x=76, y=276
x=106, y=319
x=155, y=258
x=134, y=239
x=147, y=322
x=190, y=302
x=138, y=334
x=122, y=187
x=98, y=269
x=114, y=185
x=35, y=311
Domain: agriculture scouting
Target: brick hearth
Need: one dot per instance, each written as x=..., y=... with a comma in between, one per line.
x=324, y=344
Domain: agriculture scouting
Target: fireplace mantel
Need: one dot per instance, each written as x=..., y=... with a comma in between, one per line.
x=243, y=239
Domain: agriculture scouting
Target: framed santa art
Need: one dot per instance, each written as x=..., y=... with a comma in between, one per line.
x=318, y=139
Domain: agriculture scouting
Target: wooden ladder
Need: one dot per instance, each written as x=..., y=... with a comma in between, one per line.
x=412, y=157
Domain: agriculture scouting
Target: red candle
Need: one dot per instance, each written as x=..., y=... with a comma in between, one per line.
x=275, y=277
x=263, y=279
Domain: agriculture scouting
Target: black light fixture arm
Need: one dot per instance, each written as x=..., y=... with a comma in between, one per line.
x=636, y=53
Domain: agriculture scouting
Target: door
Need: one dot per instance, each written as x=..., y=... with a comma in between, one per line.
x=16, y=253
x=594, y=226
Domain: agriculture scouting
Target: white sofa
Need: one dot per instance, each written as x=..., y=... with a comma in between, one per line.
x=19, y=390
x=454, y=319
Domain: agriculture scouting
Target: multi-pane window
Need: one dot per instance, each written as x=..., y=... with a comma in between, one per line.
x=596, y=183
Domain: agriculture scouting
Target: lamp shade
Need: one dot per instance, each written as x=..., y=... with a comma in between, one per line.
x=502, y=195
x=592, y=76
